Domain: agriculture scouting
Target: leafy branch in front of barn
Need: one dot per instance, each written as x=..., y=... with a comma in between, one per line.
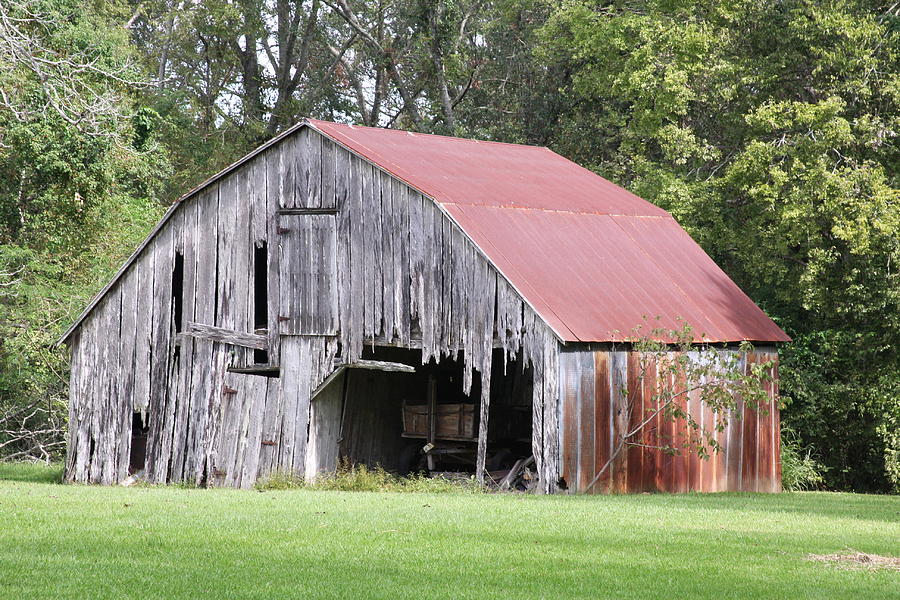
x=679, y=370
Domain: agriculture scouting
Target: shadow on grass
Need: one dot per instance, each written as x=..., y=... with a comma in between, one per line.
x=864, y=507
x=31, y=472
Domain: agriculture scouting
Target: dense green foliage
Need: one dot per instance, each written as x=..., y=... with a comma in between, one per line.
x=768, y=128
x=67, y=541
x=77, y=180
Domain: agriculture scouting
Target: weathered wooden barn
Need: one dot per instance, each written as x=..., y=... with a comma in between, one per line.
x=312, y=301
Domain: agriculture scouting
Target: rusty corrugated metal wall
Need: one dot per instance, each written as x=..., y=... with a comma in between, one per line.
x=595, y=386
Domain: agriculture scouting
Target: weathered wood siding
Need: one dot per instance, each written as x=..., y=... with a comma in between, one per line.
x=595, y=386
x=388, y=267
x=133, y=360
x=325, y=412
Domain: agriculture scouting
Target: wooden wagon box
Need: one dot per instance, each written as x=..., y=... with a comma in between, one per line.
x=453, y=421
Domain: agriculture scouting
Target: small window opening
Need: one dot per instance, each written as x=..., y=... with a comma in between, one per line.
x=260, y=296
x=178, y=291
x=138, y=456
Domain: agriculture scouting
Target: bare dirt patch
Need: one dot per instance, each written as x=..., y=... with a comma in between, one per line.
x=858, y=560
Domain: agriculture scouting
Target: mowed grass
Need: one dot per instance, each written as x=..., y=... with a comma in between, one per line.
x=67, y=541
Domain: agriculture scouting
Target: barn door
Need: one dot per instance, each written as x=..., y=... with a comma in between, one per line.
x=308, y=303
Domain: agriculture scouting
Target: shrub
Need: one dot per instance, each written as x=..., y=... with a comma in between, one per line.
x=799, y=469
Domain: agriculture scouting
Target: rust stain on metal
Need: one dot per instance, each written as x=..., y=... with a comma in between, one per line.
x=751, y=443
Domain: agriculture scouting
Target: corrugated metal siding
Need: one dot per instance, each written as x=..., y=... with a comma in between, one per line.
x=593, y=386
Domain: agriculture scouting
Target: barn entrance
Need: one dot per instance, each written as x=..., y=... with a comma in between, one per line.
x=421, y=421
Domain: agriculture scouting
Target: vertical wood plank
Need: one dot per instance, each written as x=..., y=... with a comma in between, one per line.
x=484, y=407
x=314, y=169
x=257, y=199
x=163, y=249
x=289, y=382
x=389, y=232
x=401, y=277
x=344, y=205
x=651, y=432
x=274, y=190
x=86, y=370
x=143, y=327
x=303, y=386
x=375, y=212
x=300, y=161
x=357, y=261
x=329, y=198
x=551, y=406
x=287, y=151
x=680, y=477
x=127, y=368
x=776, y=424
x=749, y=472
x=367, y=246
x=634, y=473
x=108, y=434
x=427, y=313
x=75, y=348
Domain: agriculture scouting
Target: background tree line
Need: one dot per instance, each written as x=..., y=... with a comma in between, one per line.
x=767, y=127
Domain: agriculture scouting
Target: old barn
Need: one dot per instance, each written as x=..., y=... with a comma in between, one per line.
x=353, y=293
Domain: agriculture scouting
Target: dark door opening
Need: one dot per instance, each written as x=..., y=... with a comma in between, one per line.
x=423, y=422
x=138, y=456
x=260, y=296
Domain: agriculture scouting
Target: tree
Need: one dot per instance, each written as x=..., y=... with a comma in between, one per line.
x=78, y=164
x=420, y=59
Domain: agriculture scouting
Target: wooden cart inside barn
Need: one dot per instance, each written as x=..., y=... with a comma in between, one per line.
x=448, y=430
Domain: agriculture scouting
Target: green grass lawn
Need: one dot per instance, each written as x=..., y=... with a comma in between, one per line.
x=66, y=541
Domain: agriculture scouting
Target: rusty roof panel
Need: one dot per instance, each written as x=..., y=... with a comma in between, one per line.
x=593, y=278
x=465, y=171
x=726, y=307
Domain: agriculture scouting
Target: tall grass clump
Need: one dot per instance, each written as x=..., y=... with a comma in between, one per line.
x=799, y=469
x=360, y=478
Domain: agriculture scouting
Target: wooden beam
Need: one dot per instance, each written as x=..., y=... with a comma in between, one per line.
x=432, y=419
x=331, y=377
x=266, y=370
x=373, y=365
x=376, y=365
x=307, y=211
x=227, y=336
x=520, y=465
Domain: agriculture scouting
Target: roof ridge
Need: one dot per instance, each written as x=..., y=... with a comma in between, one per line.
x=555, y=210
x=437, y=135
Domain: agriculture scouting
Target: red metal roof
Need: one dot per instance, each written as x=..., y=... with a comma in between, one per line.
x=593, y=259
